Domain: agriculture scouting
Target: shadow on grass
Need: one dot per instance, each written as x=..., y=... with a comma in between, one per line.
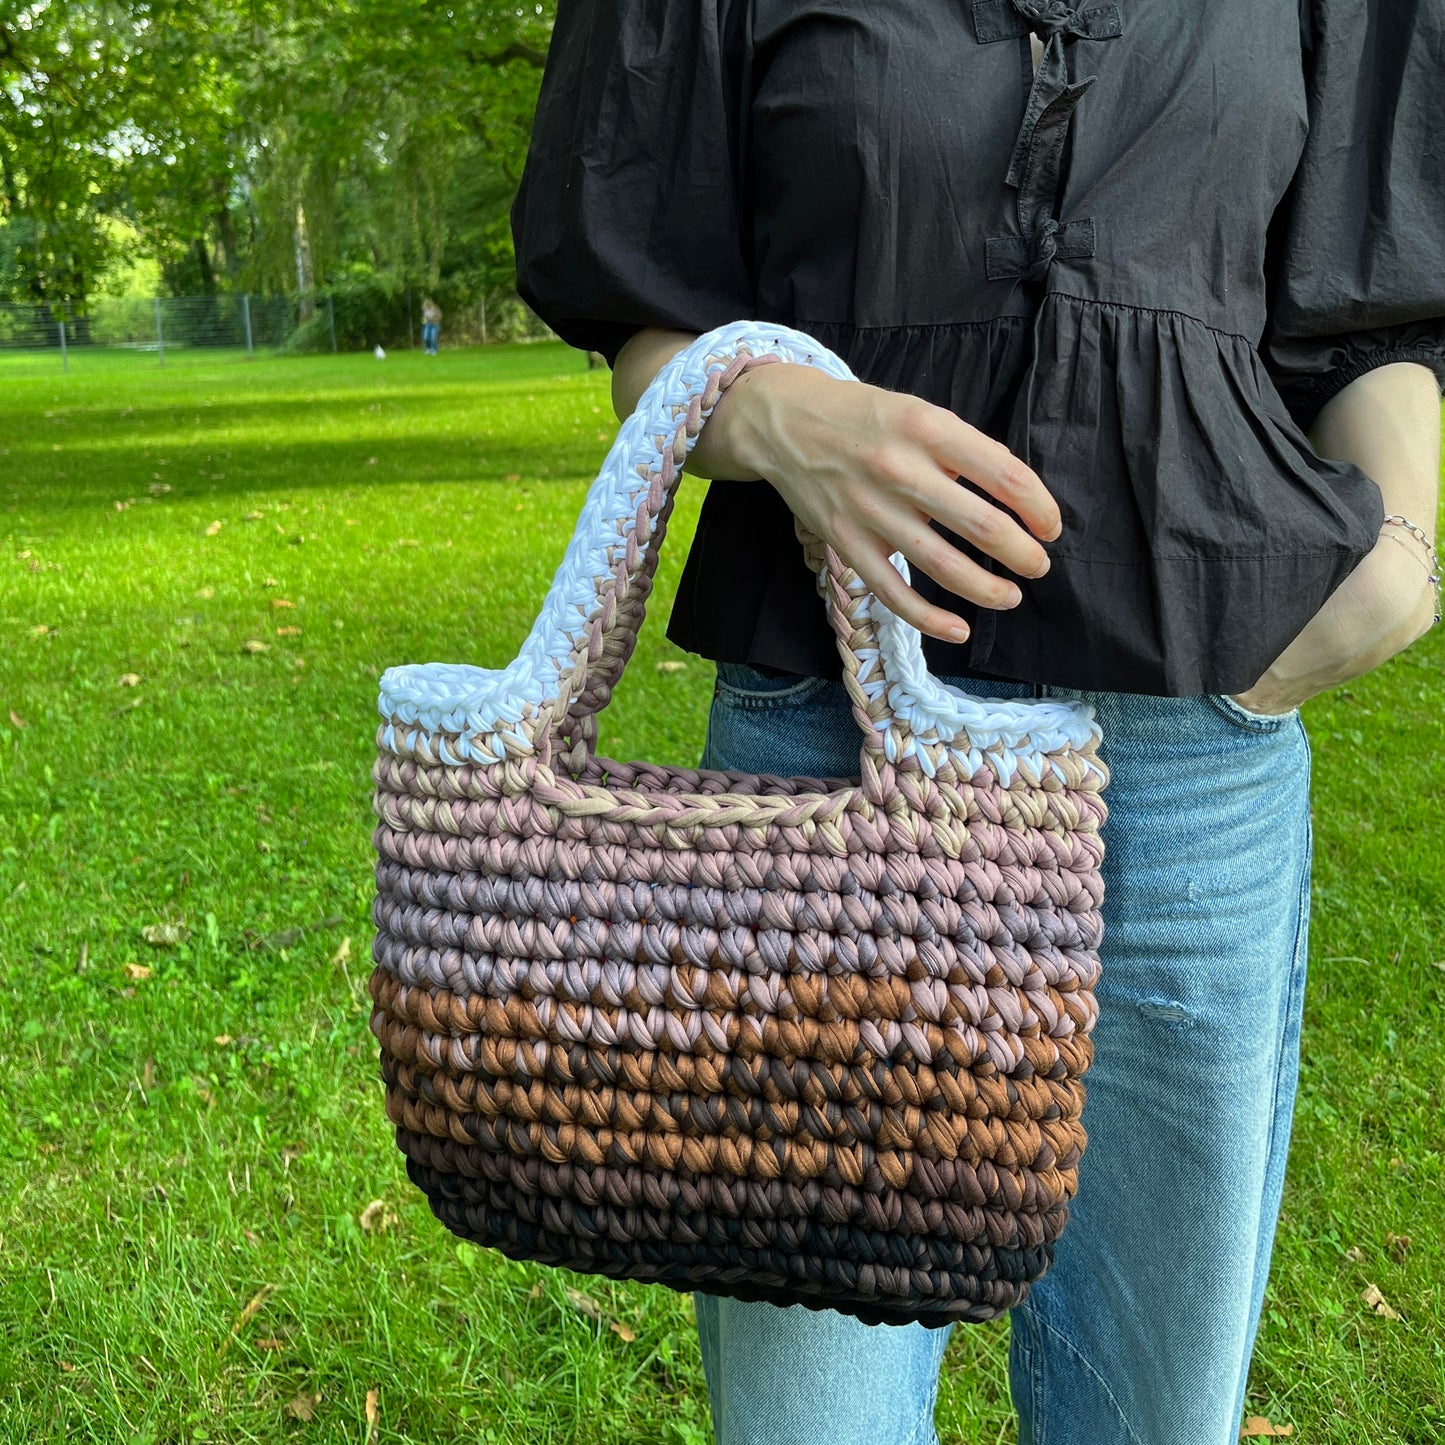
x=79, y=477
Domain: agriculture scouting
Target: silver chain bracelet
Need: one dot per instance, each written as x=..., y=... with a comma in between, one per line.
x=1432, y=567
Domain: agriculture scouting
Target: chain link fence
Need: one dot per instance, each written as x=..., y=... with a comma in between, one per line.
x=176, y=330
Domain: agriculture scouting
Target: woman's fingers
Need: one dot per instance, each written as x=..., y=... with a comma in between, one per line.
x=975, y=519
x=869, y=558
x=965, y=451
x=901, y=515
x=954, y=572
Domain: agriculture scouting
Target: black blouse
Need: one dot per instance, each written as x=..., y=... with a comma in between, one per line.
x=1144, y=268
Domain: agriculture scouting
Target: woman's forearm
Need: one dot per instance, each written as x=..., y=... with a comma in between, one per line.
x=1387, y=422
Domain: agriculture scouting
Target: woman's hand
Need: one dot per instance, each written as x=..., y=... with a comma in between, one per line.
x=867, y=470
x=1383, y=606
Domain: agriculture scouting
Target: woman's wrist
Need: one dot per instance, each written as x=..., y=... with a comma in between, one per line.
x=1383, y=606
x=730, y=443
x=1411, y=535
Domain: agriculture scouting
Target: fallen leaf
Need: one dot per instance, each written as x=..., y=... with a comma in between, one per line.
x=121, y=506
x=343, y=951
x=376, y=1217
x=1397, y=1244
x=163, y=935
x=253, y=1308
x=672, y=666
x=16, y=721
x=270, y=582
x=625, y=1333
x=128, y=679
x=205, y=1096
x=1257, y=1426
x=536, y=1291
x=148, y=1073
x=584, y=1304
x=281, y=602
x=213, y=528
x=137, y=971
x=270, y=1344
x=513, y=477
x=253, y=646
x=223, y=1039
x=253, y=1240
x=288, y=632
x=1354, y=1254
x=291, y=1152
x=252, y=517
x=303, y=1407
x=371, y=1412
x=66, y=1367
x=1377, y=1302
x=158, y=489
x=41, y=631
x=205, y=593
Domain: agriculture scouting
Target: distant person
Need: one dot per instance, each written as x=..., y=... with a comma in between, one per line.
x=431, y=325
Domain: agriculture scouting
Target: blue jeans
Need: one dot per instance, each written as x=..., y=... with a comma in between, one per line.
x=430, y=334
x=1141, y=1332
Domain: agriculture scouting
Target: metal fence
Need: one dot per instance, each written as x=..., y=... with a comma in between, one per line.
x=171, y=330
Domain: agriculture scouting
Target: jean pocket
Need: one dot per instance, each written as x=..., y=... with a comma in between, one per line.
x=741, y=686
x=1241, y=716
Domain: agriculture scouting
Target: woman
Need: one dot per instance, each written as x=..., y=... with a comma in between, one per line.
x=1148, y=313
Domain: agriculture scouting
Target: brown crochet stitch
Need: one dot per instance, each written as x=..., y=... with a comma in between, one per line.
x=800, y=1040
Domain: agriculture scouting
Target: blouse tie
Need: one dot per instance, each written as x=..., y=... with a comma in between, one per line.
x=1038, y=151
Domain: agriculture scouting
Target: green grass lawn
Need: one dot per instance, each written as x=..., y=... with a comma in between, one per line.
x=192, y=1139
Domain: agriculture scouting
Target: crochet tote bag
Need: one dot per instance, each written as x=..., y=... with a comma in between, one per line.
x=808, y=1041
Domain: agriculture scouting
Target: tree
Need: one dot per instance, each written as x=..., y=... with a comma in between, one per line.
x=266, y=144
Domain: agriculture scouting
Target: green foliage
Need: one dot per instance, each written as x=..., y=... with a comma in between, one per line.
x=265, y=145
x=177, y=1147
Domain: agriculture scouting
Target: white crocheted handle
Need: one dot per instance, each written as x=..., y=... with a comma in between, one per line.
x=471, y=703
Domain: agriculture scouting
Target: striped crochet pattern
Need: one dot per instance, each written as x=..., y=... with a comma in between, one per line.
x=811, y=1041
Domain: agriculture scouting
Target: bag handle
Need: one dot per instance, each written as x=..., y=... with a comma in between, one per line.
x=606, y=642
x=545, y=703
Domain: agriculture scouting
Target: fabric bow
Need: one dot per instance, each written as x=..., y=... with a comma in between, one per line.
x=1042, y=247
x=1048, y=17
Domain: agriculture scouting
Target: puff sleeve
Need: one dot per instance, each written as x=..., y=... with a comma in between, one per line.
x=628, y=213
x=1355, y=256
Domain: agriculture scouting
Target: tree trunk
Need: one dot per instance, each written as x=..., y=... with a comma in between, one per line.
x=226, y=233
x=305, y=280
x=208, y=273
